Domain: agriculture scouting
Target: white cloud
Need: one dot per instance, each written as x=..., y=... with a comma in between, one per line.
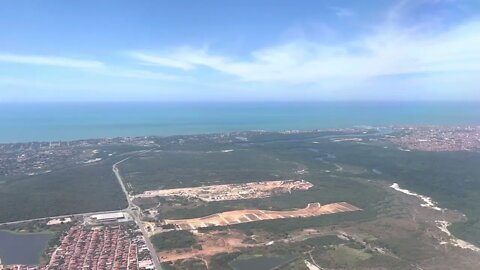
x=387, y=51
x=50, y=61
x=90, y=66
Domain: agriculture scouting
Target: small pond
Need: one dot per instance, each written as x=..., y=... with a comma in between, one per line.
x=22, y=248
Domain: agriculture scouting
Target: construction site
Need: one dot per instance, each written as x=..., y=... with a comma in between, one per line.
x=251, y=215
x=231, y=191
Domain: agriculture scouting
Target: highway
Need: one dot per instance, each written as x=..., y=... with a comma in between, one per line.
x=133, y=210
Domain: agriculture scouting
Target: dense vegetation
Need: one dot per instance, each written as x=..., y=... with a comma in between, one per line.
x=325, y=240
x=172, y=240
x=170, y=169
x=69, y=191
x=450, y=178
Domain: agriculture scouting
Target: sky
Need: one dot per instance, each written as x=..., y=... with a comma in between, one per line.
x=268, y=50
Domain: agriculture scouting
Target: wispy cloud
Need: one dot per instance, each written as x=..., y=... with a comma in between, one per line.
x=91, y=66
x=51, y=61
x=161, y=60
x=140, y=74
x=384, y=52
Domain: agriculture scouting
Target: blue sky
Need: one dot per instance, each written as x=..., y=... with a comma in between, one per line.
x=239, y=50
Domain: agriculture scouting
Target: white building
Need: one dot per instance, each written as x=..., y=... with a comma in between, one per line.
x=110, y=217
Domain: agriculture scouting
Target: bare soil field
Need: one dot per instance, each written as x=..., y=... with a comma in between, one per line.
x=251, y=215
x=231, y=191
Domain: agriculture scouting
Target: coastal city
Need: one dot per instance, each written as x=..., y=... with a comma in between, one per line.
x=437, y=138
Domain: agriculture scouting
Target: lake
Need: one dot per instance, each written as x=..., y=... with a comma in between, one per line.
x=22, y=248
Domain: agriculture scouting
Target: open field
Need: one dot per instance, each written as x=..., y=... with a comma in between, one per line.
x=211, y=244
x=231, y=191
x=251, y=215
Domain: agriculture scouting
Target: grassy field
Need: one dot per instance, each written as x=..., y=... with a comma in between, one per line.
x=345, y=256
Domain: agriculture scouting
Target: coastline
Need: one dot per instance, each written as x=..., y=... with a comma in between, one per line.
x=27, y=122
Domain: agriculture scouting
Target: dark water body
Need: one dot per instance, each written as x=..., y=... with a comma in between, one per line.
x=259, y=263
x=68, y=121
x=24, y=248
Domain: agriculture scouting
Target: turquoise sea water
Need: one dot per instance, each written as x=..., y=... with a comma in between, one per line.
x=67, y=121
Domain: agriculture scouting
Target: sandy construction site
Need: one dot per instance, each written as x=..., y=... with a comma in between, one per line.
x=231, y=191
x=251, y=215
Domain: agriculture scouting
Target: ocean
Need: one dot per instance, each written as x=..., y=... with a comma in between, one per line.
x=23, y=122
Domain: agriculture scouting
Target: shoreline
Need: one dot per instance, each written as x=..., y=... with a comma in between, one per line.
x=27, y=122
x=213, y=133
x=243, y=131
x=26, y=233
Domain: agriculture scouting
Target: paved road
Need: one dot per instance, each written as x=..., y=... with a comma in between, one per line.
x=133, y=210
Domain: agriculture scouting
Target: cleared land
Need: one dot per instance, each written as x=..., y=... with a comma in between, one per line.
x=211, y=244
x=231, y=191
x=251, y=215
